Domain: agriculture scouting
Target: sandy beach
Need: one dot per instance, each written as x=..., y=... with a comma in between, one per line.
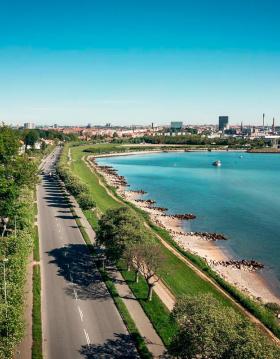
x=245, y=277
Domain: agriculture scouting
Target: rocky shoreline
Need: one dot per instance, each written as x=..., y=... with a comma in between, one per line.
x=242, y=273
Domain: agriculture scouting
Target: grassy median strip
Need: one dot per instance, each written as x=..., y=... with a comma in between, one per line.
x=36, y=248
x=36, y=315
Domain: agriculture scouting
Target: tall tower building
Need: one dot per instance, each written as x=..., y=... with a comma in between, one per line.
x=223, y=123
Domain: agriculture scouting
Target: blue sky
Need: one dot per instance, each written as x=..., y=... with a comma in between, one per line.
x=137, y=62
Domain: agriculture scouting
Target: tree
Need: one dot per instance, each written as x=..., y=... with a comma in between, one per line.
x=117, y=229
x=148, y=259
x=254, y=344
x=74, y=185
x=30, y=138
x=210, y=330
x=85, y=201
x=9, y=143
x=133, y=256
x=15, y=173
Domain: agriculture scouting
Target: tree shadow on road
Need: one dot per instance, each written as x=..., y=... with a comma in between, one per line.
x=75, y=263
x=55, y=196
x=120, y=347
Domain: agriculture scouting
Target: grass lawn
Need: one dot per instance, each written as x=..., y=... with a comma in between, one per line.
x=36, y=254
x=102, y=199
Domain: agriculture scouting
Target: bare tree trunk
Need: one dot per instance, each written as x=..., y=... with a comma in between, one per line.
x=150, y=293
x=137, y=276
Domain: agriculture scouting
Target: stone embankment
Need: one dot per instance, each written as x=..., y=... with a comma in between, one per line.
x=209, y=236
x=250, y=265
x=147, y=201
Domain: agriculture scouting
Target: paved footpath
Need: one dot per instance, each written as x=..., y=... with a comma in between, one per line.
x=147, y=331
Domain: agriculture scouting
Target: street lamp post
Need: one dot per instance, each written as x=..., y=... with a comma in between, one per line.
x=5, y=221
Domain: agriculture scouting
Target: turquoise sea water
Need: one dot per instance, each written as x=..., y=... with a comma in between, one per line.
x=240, y=199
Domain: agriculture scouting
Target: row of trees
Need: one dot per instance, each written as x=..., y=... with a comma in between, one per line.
x=17, y=178
x=199, y=140
x=207, y=328
x=30, y=137
x=75, y=186
x=123, y=236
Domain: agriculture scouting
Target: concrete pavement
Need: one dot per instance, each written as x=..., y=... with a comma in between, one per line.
x=79, y=317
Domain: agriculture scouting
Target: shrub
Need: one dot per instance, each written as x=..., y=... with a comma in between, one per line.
x=85, y=201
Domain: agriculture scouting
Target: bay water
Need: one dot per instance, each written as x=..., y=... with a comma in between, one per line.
x=240, y=199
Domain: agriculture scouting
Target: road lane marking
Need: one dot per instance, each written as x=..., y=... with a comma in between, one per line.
x=81, y=313
x=87, y=337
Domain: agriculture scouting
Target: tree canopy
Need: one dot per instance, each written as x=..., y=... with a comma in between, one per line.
x=210, y=331
x=18, y=175
x=15, y=172
x=117, y=228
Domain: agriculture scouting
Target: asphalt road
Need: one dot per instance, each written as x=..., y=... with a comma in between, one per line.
x=79, y=317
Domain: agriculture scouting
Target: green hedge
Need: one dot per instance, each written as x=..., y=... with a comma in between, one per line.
x=16, y=248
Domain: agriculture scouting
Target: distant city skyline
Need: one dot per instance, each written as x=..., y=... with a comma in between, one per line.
x=139, y=62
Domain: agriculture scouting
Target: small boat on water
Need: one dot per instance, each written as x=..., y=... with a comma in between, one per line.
x=217, y=163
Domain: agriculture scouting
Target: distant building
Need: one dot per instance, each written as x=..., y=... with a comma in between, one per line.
x=29, y=125
x=273, y=125
x=223, y=123
x=176, y=126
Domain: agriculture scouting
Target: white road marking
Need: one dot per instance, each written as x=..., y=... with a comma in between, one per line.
x=81, y=313
x=87, y=337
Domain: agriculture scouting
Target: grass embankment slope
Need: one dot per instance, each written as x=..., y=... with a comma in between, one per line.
x=179, y=277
